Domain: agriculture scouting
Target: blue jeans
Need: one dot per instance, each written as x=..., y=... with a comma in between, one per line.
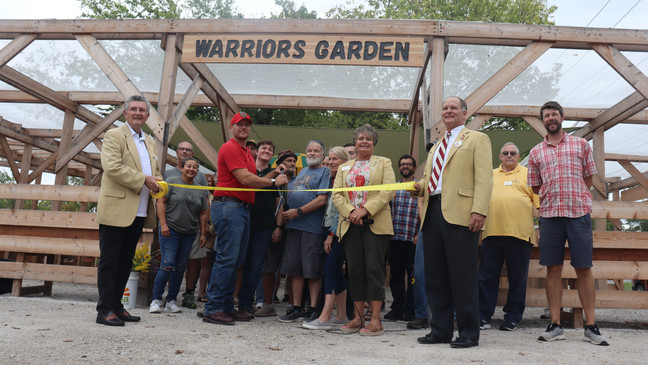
x=420, y=298
x=231, y=222
x=496, y=250
x=174, y=252
x=253, y=270
x=333, y=277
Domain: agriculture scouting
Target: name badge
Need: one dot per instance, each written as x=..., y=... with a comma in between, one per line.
x=458, y=144
x=508, y=183
x=344, y=168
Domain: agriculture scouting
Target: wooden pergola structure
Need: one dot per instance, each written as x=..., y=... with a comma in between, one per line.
x=61, y=151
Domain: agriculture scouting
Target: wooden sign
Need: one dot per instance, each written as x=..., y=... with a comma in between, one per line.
x=312, y=50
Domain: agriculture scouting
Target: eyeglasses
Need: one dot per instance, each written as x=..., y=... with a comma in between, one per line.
x=512, y=153
x=185, y=149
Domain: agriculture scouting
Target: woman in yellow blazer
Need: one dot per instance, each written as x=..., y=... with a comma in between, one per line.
x=365, y=228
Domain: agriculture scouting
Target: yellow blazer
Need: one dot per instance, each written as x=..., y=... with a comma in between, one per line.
x=377, y=204
x=122, y=179
x=467, y=180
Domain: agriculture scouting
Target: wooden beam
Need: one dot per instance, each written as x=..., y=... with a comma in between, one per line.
x=123, y=83
x=88, y=134
x=49, y=192
x=478, y=121
x=502, y=78
x=641, y=179
x=65, y=273
x=49, y=245
x=602, y=270
x=8, y=52
x=634, y=194
x=184, y=105
x=45, y=94
x=419, y=82
x=625, y=183
x=621, y=240
x=82, y=157
x=536, y=124
x=61, y=167
x=39, y=218
x=620, y=157
x=622, y=210
x=8, y=153
x=604, y=298
x=624, y=67
x=213, y=82
x=621, y=111
x=167, y=91
x=433, y=125
x=51, y=160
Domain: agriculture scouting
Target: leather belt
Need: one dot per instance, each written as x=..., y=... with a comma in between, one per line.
x=232, y=199
x=435, y=197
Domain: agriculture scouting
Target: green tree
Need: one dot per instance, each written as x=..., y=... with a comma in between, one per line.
x=466, y=68
x=130, y=9
x=290, y=11
x=211, y=9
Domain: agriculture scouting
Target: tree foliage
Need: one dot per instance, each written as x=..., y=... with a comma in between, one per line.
x=130, y=9
x=290, y=11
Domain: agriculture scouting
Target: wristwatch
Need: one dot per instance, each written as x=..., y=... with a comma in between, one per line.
x=273, y=183
x=299, y=211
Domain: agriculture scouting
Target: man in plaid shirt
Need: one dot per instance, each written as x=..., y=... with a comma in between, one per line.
x=560, y=170
x=401, y=247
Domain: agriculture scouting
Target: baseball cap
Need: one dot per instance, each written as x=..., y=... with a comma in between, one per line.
x=251, y=142
x=239, y=117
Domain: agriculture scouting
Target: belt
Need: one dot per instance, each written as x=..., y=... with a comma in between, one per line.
x=435, y=197
x=232, y=199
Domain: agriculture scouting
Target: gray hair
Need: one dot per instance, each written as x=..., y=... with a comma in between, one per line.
x=510, y=144
x=137, y=98
x=464, y=106
x=319, y=143
x=368, y=130
x=340, y=152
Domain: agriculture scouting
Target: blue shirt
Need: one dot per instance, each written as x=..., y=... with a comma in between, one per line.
x=405, y=216
x=307, y=179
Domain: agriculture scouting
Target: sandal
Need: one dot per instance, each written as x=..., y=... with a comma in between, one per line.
x=202, y=299
x=372, y=330
x=367, y=315
x=350, y=328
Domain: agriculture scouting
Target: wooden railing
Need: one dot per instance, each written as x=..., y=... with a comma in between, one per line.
x=49, y=245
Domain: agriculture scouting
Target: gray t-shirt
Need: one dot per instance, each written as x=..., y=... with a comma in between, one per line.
x=183, y=207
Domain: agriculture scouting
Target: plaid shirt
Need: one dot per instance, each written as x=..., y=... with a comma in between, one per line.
x=559, y=171
x=405, y=216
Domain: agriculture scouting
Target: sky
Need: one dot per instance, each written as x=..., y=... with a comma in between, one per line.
x=595, y=13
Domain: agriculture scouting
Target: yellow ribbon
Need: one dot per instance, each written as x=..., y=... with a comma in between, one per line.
x=397, y=186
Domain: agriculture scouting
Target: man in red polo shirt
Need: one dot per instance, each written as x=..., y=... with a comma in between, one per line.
x=230, y=215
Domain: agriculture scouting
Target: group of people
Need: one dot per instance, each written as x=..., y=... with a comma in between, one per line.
x=293, y=225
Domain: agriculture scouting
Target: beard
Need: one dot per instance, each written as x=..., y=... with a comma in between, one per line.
x=314, y=161
x=407, y=173
x=290, y=173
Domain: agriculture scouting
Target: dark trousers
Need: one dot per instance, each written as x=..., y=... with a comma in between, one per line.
x=495, y=251
x=117, y=246
x=401, y=266
x=451, y=257
x=365, y=252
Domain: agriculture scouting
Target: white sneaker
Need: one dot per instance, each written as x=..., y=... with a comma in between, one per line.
x=155, y=306
x=172, y=307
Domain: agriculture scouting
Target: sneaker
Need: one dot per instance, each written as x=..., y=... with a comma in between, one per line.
x=285, y=298
x=339, y=322
x=258, y=306
x=155, y=306
x=593, y=335
x=266, y=311
x=508, y=326
x=317, y=325
x=484, y=325
x=310, y=314
x=188, y=301
x=418, y=323
x=291, y=315
x=546, y=314
x=554, y=332
x=172, y=307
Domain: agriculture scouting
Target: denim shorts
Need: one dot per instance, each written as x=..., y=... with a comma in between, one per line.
x=577, y=232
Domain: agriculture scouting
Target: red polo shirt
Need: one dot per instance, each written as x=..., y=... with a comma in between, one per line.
x=233, y=156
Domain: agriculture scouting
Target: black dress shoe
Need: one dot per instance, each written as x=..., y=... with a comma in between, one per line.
x=430, y=339
x=463, y=343
x=126, y=317
x=110, y=319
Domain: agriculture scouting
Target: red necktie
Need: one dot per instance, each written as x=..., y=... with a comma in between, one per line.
x=438, y=164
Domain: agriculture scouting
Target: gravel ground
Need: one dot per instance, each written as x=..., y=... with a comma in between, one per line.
x=62, y=329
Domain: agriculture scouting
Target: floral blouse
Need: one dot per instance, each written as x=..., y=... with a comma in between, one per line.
x=358, y=176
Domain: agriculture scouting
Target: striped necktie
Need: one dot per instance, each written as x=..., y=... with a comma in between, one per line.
x=438, y=164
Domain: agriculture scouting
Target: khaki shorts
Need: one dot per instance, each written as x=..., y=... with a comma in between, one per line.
x=197, y=252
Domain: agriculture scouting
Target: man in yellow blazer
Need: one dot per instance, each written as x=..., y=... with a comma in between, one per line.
x=454, y=210
x=130, y=171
